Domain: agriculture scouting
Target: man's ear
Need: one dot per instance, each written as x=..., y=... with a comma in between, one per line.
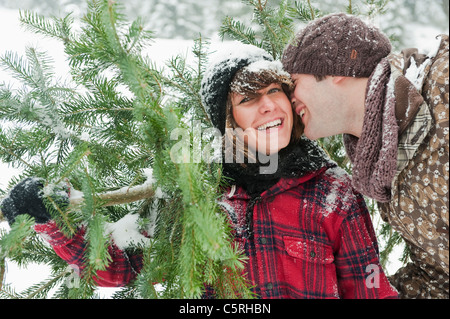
x=338, y=79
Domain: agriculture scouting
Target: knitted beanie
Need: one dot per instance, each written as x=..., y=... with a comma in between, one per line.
x=216, y=81
x=337, y=44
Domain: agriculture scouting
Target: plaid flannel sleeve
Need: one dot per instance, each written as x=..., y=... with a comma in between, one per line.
x=121, y=270
x=359, y=271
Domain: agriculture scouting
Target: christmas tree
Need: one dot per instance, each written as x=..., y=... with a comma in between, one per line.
x=132, y=141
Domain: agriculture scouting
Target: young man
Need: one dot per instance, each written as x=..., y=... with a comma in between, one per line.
x=392, y=110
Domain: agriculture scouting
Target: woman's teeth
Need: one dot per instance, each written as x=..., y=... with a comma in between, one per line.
x=302, y=112
x=269, y=125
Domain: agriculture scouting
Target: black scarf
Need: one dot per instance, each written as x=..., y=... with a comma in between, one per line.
x=295, y=160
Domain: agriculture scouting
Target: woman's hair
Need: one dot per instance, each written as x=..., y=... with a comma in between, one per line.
x=248, y=82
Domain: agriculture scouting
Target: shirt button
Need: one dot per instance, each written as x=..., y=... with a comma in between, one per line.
x=269, y=286
x=263, y=240
x=312, y=254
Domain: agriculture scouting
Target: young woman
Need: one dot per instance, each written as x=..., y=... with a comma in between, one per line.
x=305, y=231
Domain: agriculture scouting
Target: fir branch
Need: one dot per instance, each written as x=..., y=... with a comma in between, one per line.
x=2, y=267
x=129, y=65
x=312, y=10
x=73, y=161
x=238, y=31
x=100, y=109
x=190, y=280
x=275, y=27
x=35, y=250
x=393, y=239
x=111, y=15
x=12, y=153
x=375, y=7
x=97, y=253
x=350, y=8
x=183, y=81
x=99, y=257
x=63, y=214
x=40, y=66
x=9, y=293
x=40, y=290
x=136, y=36
x=12, y=243
x=304, y=12
x=18, y=66
x=263, y=16
x=58, y=28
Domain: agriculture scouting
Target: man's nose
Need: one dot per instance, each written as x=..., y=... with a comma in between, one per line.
x=292, y=98
x=295, y=105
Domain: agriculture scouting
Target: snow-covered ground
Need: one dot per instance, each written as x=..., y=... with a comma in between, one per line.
x=14, y=38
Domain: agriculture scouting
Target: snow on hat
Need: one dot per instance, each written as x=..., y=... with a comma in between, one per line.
x=223, y=65
x=337, y=44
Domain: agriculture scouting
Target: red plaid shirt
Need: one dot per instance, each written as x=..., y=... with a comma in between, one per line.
x=122, y=269
x=312, y=238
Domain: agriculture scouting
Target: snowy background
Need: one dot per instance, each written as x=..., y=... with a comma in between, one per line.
x=170, y=42
x=14, y=38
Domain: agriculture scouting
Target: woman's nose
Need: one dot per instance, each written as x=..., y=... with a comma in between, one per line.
x=267, y=105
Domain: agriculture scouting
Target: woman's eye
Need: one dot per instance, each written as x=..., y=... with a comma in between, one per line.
x=274, y=90
x=245, y=100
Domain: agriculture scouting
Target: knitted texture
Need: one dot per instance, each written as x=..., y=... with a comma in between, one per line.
x=374, y=154
x=26, y=198
x=337, y=44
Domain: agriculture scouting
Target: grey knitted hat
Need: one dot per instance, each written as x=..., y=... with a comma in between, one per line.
x=337, y=44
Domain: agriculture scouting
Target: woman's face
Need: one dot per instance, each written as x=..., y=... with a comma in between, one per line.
x=266, y=119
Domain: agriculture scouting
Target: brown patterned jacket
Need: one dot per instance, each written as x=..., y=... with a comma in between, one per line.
x=419, y=206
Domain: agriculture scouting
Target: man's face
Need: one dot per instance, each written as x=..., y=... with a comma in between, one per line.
x=316, y=103
x=267, y=119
